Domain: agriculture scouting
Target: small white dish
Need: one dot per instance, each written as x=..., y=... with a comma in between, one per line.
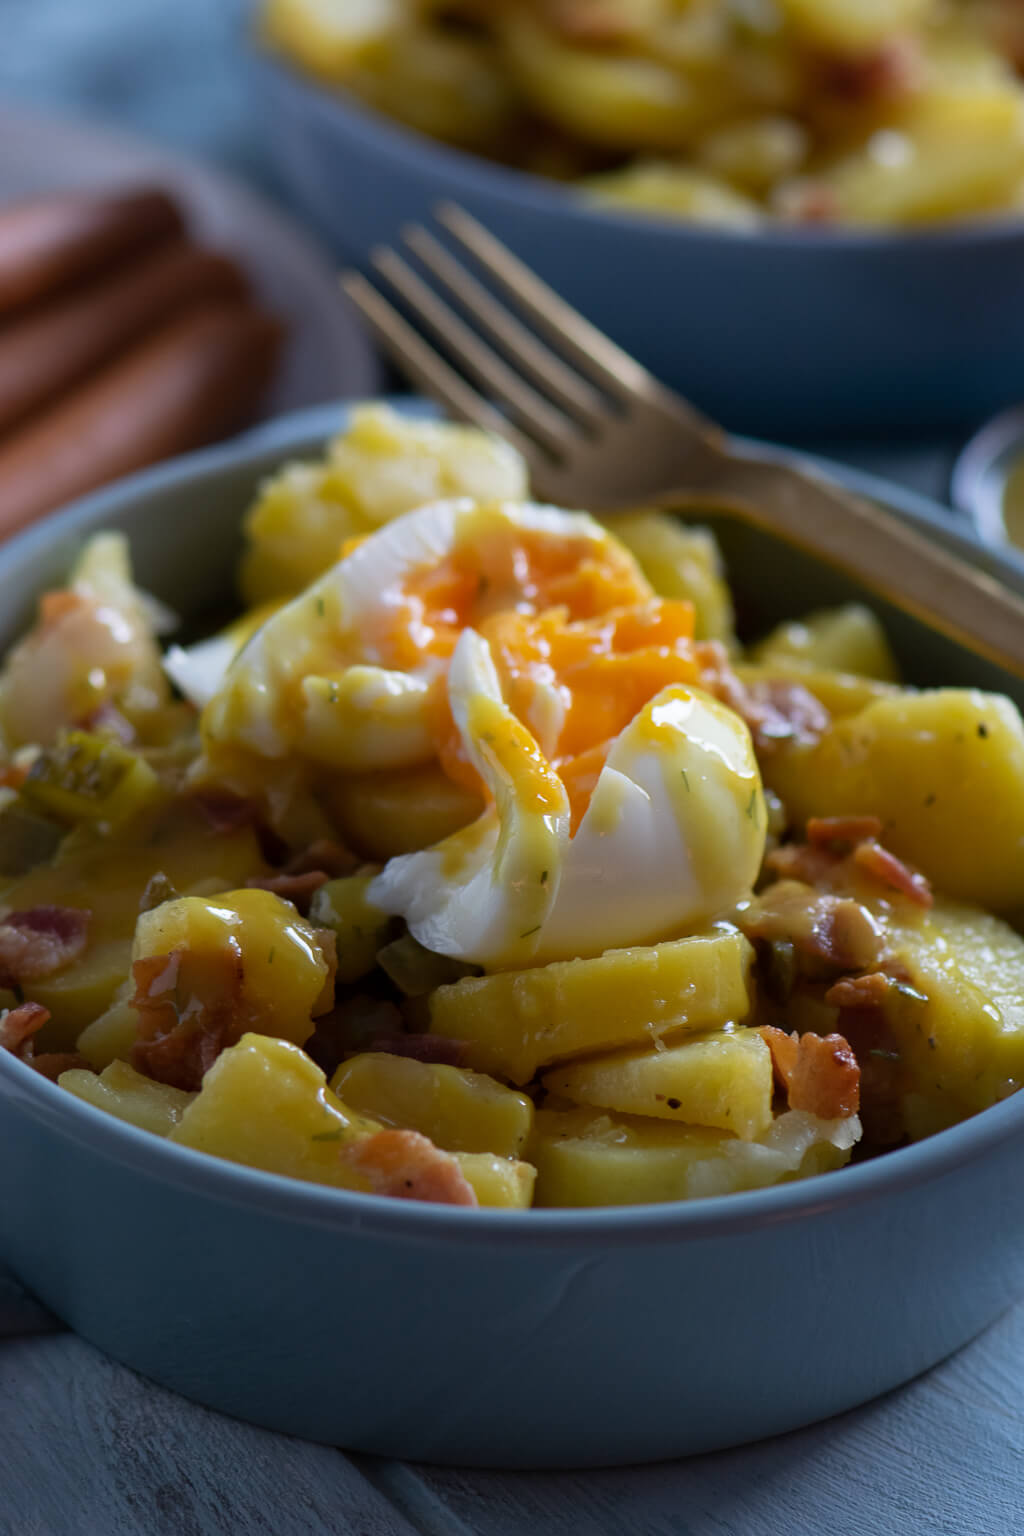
x=328, y=357
x=980, y=476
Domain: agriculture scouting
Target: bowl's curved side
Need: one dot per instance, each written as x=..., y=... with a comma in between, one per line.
x=526, y=1356
x=567, y=1338
x=781, y=333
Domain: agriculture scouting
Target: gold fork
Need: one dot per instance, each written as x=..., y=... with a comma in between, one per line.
x=599, y=431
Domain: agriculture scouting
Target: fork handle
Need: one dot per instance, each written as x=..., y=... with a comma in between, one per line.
x=873, y=546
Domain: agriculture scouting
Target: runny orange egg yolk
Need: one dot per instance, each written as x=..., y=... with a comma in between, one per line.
x=498, y=570
x=603, y=670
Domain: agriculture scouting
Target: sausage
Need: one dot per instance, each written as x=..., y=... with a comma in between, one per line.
x=198, y=378
x=51, y=242
x=52, y=347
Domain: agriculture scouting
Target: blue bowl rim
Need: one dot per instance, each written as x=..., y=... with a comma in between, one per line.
x=478, y=176
x=291, y=1199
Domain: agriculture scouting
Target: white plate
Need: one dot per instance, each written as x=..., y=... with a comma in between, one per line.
x=328, y=356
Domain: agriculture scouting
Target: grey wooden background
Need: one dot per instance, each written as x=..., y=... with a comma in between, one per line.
x=87, y=1448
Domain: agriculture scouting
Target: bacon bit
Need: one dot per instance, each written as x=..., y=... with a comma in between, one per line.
x=835, y=929
x=18, y=1025
x=39, y=941
x=54, y=606
x=407, y=1166
x=13, y=775
x=870, y=991
x=52, y=1063
x=886, y=73
x=187, y=1002
x=891, y=871
x=775, y=709
x=820, y=1073
x=800, y=861
x=437, y=1049
x=842, y=832
x=224, y=811
x=587, y=23
x=298, y=889
x=324, y=854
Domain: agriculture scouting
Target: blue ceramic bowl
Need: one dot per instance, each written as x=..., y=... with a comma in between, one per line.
x=790, y=333
x=508, y=1339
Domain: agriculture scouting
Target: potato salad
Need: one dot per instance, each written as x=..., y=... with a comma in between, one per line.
x=476, y=860
x=726, y=112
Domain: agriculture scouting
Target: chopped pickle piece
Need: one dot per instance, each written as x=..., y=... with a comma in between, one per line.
x=359, y=927
x=90, y=778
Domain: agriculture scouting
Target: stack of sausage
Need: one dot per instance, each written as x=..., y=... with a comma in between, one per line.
x=121, y=343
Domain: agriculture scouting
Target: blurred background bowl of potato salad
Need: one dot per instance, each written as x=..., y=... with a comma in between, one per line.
x=803, y=213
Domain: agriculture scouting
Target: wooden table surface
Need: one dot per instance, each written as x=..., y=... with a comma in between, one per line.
x=91, y=1449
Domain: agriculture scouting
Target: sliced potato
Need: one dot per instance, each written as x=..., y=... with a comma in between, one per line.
x=963, y=1048
x=943, y=769
x=502, y=1182
x=458, y=1110
x=722, y=1080
x=516, y=1021
x=583, y=1158
x=681, y=562
x=384, y=814
x=847, y=639
x=360, y=928
x=264, y=1103
x=125, y=1093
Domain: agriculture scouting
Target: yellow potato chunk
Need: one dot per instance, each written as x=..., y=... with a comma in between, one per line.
x=943, y=769
x=680, y=562
x=329, y=39
x=81, y=992
x=585, y=1159
x=110, y=1037
x=125, y=1093
x=516, y=1021
x=847, y=639
x=459, y=1110
x=381, y=815
x=498, y=1182
x=381, y=466
x=265, y=1104
x=722, y=1080
x=852, y=25
x=282, y=969
x=676, y=191
x=962, y=1046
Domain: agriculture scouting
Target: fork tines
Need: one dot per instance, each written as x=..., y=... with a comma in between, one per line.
x=539, y=396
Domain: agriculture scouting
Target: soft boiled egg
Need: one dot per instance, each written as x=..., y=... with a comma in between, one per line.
x=670, y=836
x=351, y=674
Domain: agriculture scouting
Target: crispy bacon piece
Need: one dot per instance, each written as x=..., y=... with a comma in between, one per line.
x=224, y=811
x=18, y=1025
x=39, y=941
x=775, y=709
x=885, y=73
x=870, y=991
x=407, y=1166
x=885, y=867
x=298, y=889
x=840, y=847
x=832, y=928
x=188, y=1007
x=18, y=1028
x=841, y=832
x=436, y=1049
x=819, y=1073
